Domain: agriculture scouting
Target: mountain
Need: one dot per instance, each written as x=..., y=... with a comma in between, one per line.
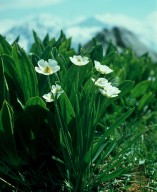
x=42, y=25
x=122, y=38
x=92, y=22
x=82, y=31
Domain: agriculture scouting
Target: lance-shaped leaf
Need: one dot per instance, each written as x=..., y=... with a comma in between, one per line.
x=3, y=85
x=26, y=74
x=5, y=47
x=7, y=135
x=66, y=107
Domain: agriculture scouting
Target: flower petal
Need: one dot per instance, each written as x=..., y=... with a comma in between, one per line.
x=52, y=63
x=56, y=90
x=47, y=68
x=42, y=63
x=110, y=91
x=85, y=60
x=79, y=60
x=39, y=70
x=56, y=68
x=73, y=60
x=48, y=97
x=102, y=82
x=102, y=68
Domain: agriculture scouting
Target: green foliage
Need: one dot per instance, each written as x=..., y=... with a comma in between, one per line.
x=3, y=85
x=81, y=141
x=7, y=137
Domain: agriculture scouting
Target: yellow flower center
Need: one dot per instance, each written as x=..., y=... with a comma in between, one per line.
x=47, y=69
x=79, y=60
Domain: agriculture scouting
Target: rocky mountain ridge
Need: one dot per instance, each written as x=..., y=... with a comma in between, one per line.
x=81, y=31
x=123, y=38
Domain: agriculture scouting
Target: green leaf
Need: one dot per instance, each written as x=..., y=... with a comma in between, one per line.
x=46, y=40
x=66, y=108
x=116, y=162
x=16, y=40
x=35, y=108
x=4, y=92
x=113, y=175
x=118, y=122
x=140, y=89
x=46, y=54
x=145, y=100
x=107, y=152
x=13, y=78
x=10, y=67
x=5, y=47
x=7, y=136
x=111, y=48
x=37, y=46
x=97, y=53
x=65, y=45
x=151, y=188
x=109, y=58
x=89, y=154
x=26, y=75
x=36, y=101
x=111, y=129
x=62, y=62
x=7, y=119
x=57, y=159
x=125, y=87
x=30, y=126
x=60, y=40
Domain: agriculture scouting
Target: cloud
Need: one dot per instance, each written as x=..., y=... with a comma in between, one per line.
x=151, y=18
x=82, y=34
x=118, y=19
x=128, y=22
x=6, y=24
x=146, y=29
x=7, y=4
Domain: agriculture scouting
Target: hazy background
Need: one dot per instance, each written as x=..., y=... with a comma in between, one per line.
x=139, y=16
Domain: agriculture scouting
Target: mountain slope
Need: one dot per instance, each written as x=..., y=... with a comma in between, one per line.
x=81, y=32
x=123, y=38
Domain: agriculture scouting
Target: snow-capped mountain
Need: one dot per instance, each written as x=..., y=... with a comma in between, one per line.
x=92, y=22
x=42, y=25
x=81, y=31
x=122, y=38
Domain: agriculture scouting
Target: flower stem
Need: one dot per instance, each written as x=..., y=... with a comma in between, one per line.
x=49, y=82
x=57, y=77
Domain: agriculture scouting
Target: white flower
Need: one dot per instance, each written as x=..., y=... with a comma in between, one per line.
x=56, y=90
x=101, y=82
x=48, y=97
x=109, y=91
x=102, y=68
x=106, y=88
x=47, y=68
x=79, y=60
x=141, y=161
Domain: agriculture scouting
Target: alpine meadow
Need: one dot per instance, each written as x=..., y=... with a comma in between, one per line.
x=76, y=120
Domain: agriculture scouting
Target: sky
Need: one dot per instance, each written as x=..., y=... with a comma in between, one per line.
x=70, y=9
x=131, y=13
x=15, y=9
